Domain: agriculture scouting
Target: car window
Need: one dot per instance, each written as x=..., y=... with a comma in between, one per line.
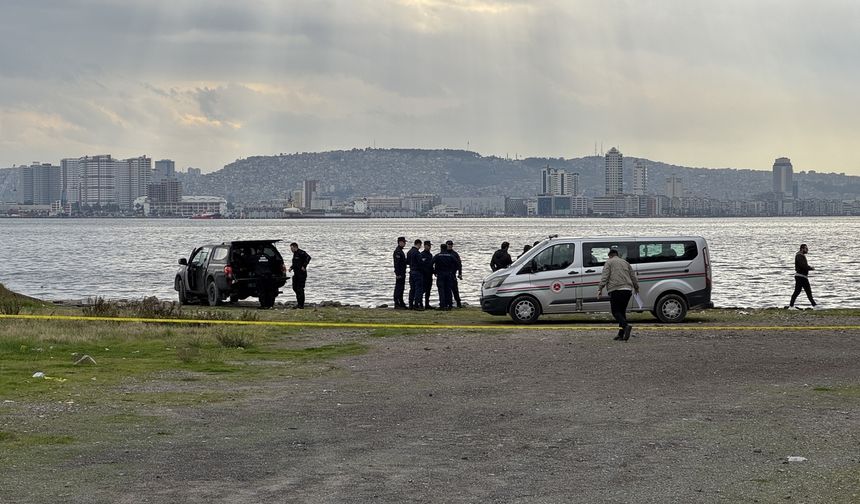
x=201, y=256
x=219, y=255
x=596, y=254
x=555, y=258
x=659, y=251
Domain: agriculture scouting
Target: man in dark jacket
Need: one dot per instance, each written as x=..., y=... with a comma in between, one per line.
x=801, y=280
x=427, y=271
x=501, y=258
x=455, y=289
x=399, y=273
x=416, y=277
x=299, y=268
x=444, y=266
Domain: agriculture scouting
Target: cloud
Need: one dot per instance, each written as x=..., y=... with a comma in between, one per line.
x=694, y=82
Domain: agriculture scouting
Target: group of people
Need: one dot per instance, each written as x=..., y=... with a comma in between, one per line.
x=446, y=265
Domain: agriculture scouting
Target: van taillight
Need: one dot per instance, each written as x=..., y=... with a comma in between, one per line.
x=707, y=269
x=228, y=271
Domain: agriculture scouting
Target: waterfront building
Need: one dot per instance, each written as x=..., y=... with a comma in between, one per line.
x=38, y=184
x=609, y=205
x=640, y=178
x=167, y=190
x=557, y=182
x=487, y=205
x=382, y=203
x=516, y=207
x=579, y=205
x=674, y=187
x=132, y=178
x=164, y=168
x=614, y=162
x=70, y=183
x=782, y=177
x=188, y=206
x=97, y=180
x=309, y=192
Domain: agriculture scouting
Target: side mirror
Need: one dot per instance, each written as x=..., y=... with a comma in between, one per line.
x=183, y=262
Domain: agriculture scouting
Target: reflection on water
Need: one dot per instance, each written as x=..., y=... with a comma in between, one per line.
x=753, y=259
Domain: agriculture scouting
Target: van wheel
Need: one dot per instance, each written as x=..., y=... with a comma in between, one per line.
x=671, y=309
x=183, y=294
x=524, y=310
x=213, y=293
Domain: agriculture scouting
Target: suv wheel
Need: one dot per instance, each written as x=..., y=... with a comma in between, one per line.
x=183, y=294
x=524, y=309
x=671, y=309
x=213, y=293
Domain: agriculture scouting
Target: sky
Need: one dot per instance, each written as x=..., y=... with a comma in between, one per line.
x=204, y=82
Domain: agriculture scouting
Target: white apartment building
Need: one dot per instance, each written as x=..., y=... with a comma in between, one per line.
x=614, y=172
x=640, y=178
x=132, y=177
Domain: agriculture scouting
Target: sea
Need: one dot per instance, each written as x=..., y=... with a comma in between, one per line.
x=79, y=259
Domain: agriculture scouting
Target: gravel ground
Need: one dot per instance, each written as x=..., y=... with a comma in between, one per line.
x=526, y=416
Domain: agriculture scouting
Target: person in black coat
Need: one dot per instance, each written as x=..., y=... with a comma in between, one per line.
x=399, y=273
x=444, y=266
x=416, y=277
x=801, y=278
x=427, y=271
x=299, y=268
x=501, y=258
x=455, y=289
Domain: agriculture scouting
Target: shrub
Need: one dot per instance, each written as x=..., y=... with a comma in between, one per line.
x=188, y=355
x=10, y=306
x=233, y=339
x=99, y=307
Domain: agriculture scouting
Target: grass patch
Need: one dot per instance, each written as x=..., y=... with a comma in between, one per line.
x=844, y=391
x=11, y=440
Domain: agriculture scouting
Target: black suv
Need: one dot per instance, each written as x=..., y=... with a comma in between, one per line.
x=234, y=270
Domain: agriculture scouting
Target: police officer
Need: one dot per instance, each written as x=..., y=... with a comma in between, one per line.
x=301, y=259
x=501, y=258
x=427, y=271
x=444, y=266
x=416, y=277
x=399, y=274
x=455, y=289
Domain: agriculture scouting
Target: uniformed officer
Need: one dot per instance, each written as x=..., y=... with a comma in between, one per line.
x=455, y=289
x=301, y=259
x=444, y=266
x=416, y=277
x=399, y=274
x=427, y=270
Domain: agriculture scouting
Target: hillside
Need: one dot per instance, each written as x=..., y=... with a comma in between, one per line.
x=364, y=172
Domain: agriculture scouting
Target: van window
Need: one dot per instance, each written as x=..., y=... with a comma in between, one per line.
x=555, y=258
x=595, y=254
x=667, y=251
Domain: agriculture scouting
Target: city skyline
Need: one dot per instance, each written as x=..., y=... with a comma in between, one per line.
x=205, y=83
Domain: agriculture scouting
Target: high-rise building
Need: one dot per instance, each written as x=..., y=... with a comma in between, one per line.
x=164, y=168
x=674, y=187
x=782, y=177
x=558, y=182
x=167, y=190
x=97, y=180
x=38, y=184
x=132, y=178
x=614, y=172
x=309, y=192
x=70, y=183
x=640, y=178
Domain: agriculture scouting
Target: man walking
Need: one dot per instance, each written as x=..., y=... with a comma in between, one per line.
x=501, y=258
x=416, y=277
x=444, y=267
x=455, y=289
x=427, y=271
x=399, y=274
x=620, y=282
x=801, y=280
x=299, y=268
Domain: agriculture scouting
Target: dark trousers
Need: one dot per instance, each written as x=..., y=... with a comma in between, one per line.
x=801, y=283
x=399, y=286
x=416, y=289
x=618, y=301
x=299, y=289
x=428, y=286
x=455, y=290
x=443, y=285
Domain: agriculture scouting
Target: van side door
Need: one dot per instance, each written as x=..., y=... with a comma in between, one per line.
x=555, y=277
x=197, y=275
x=594, y=255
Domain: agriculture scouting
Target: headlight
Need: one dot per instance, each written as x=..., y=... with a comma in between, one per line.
x=495, y=282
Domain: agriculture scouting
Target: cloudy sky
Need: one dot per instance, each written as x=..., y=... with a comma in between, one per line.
x=693, y=82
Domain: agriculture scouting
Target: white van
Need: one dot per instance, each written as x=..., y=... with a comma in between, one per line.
x=560, y=275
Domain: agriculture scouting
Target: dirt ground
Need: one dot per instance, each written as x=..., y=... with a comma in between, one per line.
x=519, y=416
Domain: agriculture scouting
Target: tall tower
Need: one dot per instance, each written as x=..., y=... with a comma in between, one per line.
x=782, y=177
x=309, y=192
x=640, y=178
x=614, y=172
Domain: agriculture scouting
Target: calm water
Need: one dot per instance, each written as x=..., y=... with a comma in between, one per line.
x=121, y=258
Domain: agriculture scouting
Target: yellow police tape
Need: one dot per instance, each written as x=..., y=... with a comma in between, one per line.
x=372, y=325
